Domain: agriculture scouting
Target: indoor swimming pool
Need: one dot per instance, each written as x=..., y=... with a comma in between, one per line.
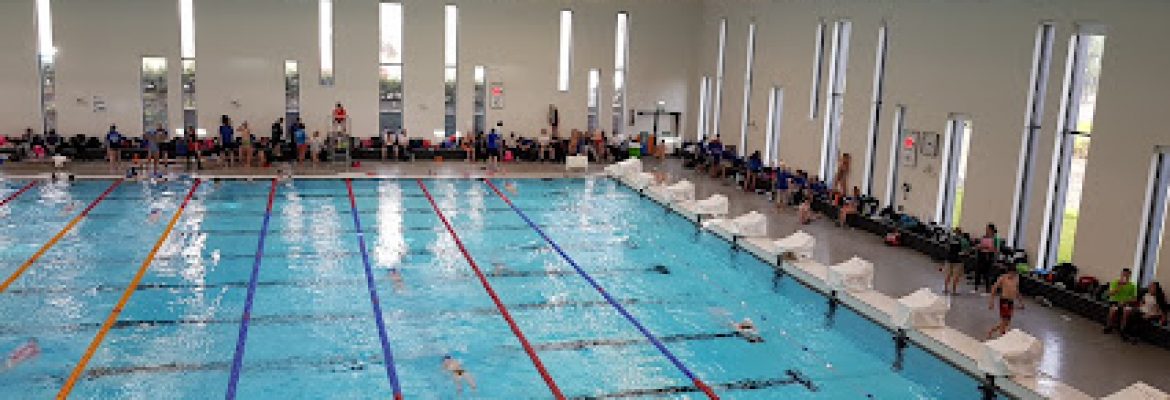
x=327, y=288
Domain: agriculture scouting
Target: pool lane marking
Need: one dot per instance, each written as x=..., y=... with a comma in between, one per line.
x=387, y=353
x=622, y=310
x=548, y=380
x=246, y=318
x=40, y=252
x=130, y=289
x=18, y=193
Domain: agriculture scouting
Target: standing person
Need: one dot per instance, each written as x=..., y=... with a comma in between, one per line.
x=227, y=140
x=545, y=147
x=1008, y=286
x=246, y=144
x=754, y=165
x=113, y=143
x=387, y=137
x=467, y=143
x=301, y=140
x=339, y=118
x=1122, y=296
x=399, y=145
x=315, y=145
x=953, y=263
x=277, y=138
x=153, y=140
x=841, y=179
x=493, y=150
x=195, y=147
x=988, y=246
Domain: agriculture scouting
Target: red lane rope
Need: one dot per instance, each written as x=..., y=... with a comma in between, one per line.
x=552, y=385
x=18, y=193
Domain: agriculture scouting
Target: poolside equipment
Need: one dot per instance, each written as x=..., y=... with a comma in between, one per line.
x=1014, y=354
x=752, y=224
x=921, y=309
x=715, y=205
x=852, y=275
x=798, y=245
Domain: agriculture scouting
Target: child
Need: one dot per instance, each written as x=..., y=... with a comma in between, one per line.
x=806, y=214
x=1008, y=286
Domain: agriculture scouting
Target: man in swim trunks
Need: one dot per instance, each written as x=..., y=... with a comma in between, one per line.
x=1008, y=289
x=458, y=373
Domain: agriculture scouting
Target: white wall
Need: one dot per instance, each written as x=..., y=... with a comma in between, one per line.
x=241, y=47
x=972, y=58
x=20, y=102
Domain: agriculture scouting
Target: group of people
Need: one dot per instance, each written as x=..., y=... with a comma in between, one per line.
x=493, y=146
x=232, y=145
x=1126, y=303
x=792, y=188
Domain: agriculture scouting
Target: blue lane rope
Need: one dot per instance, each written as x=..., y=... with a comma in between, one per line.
x=238, y=358
x=387, y=353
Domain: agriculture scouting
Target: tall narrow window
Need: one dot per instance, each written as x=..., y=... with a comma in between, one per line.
x=565, y=55
x=717, y=99
x=325, y=39
x=1150, y=234
x=480, y=109
x=953, y=170
x=187, y=53
x=701, y=123
x=292, y=91
x=620, y=63
x=390, y=67
x=875, y=111
x=46, y=62
x=775, y=115
x=593, y=100
x=1071, y=157
x=1034, y=116
x=450, y=67
x=814, y=97
x=838, y=64
x=747, y=89
x=898, y=140
x=154, y=93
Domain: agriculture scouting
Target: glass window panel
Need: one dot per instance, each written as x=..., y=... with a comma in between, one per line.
x=451, y=35
x=566, y=50
x=390, y=51
x=325, y=38
x=154, y=93
x=186, y=29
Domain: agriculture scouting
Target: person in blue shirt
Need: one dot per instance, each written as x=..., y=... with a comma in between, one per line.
x=113, y=142
x=493, y=149
x=227, y=140
x=782, y=177
x=754, y=166
x=301, y=139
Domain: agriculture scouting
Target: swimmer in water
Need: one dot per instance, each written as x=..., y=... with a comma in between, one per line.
x=396, y=279
x=69, y=207
x=748, y=330
x=458, y=373
x=27, y=351
x=154, y=215
x=499, y=269
x=511, y=187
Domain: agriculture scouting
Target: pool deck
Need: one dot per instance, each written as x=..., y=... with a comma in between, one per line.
x=1075, y=350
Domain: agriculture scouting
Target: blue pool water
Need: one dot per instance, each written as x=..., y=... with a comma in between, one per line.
x=312, y=332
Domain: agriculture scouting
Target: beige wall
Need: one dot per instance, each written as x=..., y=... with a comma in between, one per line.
x=19, y=104
x=241, y=47
x=972, y=58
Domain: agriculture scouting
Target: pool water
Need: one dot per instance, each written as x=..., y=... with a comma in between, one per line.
x=312, y=331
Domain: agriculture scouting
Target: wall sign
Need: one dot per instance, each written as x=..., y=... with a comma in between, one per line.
x=929, y=145
x=496, y=95
x=910, y=148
